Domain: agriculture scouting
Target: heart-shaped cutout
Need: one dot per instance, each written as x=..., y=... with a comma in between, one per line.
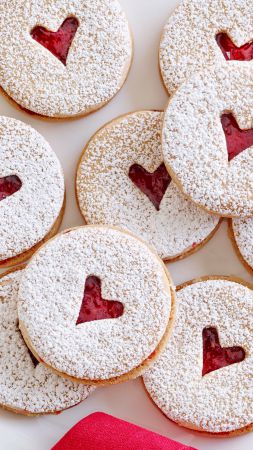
x=94, y=307
x=233, y=53
x=9, y=185
x=58, y=42
x=214, y=356
x=237, y=140
x=153, y=185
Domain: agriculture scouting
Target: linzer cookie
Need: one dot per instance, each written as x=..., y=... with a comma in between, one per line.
x=241, y=234
x=208, y=139
x=96, y=305
x=31, y=191
x=26, y=386
x=200, y=33
x=122, y=180
x=65, y=58
x=203, y=380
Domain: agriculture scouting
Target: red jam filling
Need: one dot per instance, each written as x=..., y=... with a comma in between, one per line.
x=231, y=52
x=58, y=42
x=153, y=185
x=9, y=185
x=214, y=356
x=237, y=140
x=94, y=307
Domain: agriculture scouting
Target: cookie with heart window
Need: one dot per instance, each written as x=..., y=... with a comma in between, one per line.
x=32, y=191
x=200, y=33
x=122, y=180
x=26, y=386
x=96, y=305
x=63, y=59
x=208, y=139
x=203, y=379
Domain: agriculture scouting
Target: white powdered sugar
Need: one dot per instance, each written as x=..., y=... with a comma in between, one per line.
x=106, y=194
x=97, y=64
x=24, y=387
x=194, y=143
x=188, y=42
x=221, y=401
x=27, y=216
x=51, y=294
x=243, y=235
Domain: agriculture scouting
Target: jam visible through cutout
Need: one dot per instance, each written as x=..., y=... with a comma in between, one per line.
x=153, y=185
x=233, y=53
x=94, y=307
x=9, y=185
x=237, y=140
x=214, y=356
x=58, y=42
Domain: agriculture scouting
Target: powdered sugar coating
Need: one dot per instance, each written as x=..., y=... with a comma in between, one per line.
x=106, y=195
x=97, y=64
x=221, y=401
x=194, y=144
x=188, y=42
x=22, y=386
x=33, y=210
x=243, y=234
x=51, y=294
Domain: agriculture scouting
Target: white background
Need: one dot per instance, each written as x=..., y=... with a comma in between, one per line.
x=143, y=90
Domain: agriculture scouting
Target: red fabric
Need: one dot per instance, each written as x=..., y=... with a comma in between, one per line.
x=102, y=432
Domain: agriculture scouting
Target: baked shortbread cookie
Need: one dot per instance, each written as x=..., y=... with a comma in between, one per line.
x=202, y=32
x=241, y=234
x=96, y=305
x=26, y=386
x=31, y=191
x=203, y=380
x=208, y=139
x=63, y=58
x=122, y=181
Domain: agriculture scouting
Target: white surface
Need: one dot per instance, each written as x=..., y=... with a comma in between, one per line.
x=128, y=401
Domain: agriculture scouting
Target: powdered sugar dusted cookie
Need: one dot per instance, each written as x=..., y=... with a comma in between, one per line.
x=241, y=233
x=95, y=304
x=63, y=58
x=203, y=380
x=31, y=191
x=208, y=139
x=26, y=386
x=202, y=32
x=122, y=181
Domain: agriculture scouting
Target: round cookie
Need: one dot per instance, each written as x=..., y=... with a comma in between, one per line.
x=122, y=181
x=203, y=379
x=26, y=386
x=208, y=139
x=200, y=33
x=241, y=234
x=64, y=58
x=96, y=305
x=31, y=191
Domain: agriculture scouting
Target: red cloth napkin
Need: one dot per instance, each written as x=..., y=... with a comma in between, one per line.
x=102, y=432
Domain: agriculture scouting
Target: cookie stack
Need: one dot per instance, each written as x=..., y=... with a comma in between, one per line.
x=96, y=305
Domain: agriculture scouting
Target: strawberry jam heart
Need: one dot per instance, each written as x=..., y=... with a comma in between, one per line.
x=58, y=42
x=214, y=356
x=153, y=185
x=94, y=307
x=237, y=140
x=9, y=185
x=231, y=52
